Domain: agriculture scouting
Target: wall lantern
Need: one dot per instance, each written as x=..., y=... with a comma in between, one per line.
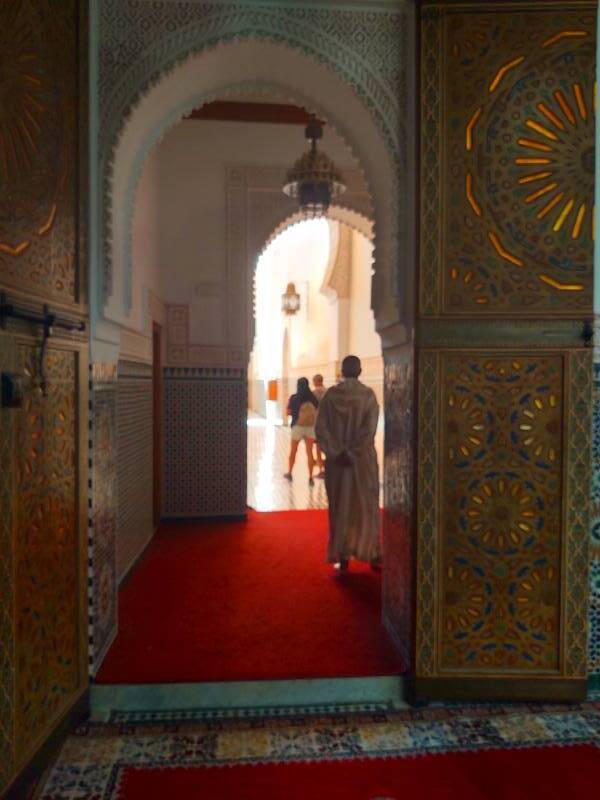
x=290, y=301
x=314, y=179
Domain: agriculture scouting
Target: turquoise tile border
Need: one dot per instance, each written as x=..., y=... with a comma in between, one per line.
x=594, y=684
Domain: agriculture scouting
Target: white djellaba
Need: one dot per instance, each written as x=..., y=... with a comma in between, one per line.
x=345, y=429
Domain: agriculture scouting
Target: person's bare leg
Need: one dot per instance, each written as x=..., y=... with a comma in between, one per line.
x=320, y=463
x=319, y=457
x=292, y=460
x=310, y=458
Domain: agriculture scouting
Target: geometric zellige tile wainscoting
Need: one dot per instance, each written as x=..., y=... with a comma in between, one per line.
x=134, y=453
x=102, y=571
x=594, y=617
x=205, y=442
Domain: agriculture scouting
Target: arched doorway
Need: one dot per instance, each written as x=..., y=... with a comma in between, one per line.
x=187, y=87
x=329, y=262
x=253, y=204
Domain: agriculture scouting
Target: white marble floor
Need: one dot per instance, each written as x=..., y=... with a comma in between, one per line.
x=268, y=490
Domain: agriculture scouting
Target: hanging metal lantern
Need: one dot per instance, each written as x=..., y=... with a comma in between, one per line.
x=290, y=301
x=314, y=179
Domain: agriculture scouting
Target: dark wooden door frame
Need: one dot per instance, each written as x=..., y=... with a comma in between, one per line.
x=156, y=424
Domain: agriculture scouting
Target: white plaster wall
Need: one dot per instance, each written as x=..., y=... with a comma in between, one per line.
x=309, y=342
x=299, y=255
x=145, y=243
x=364, y=341
x=192, y=197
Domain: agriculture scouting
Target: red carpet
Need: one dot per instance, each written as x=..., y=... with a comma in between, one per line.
x=535, y=774
x=247, y=601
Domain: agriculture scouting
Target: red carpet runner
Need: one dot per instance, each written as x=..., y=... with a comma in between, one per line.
x=247, y=601
x=550, y=773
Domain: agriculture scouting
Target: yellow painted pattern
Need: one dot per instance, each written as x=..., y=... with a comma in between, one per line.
x=535, y=126
x=536, y=176
x=562, y=287
x=548, y=208
x=503, y=71
x=493, y=237
x=566, y=108
x=578, y=222
x=540, y=192
x=563, y=215
x=15, y=250
x=533, y=144
x=470, y=127
x=564, y=35
x=470, y=196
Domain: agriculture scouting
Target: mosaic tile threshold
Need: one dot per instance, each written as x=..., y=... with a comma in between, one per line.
x=256, y=712
x=92, y=756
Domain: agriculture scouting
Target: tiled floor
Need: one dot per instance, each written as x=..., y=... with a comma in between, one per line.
x=91, y=760
x=268, y=490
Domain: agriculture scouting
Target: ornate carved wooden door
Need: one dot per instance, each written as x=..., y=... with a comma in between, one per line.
x=43, y=456
x=504, y=377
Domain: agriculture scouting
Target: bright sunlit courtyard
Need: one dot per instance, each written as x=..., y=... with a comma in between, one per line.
x=329, y=265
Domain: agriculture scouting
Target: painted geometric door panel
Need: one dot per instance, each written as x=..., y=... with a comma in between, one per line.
x=511, y=146
x=500, y=555
x=43, y=458
x=38, y=143
x=47, y=555
x=502, y=567
x=504, y=381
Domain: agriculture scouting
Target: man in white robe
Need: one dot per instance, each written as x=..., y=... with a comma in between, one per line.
x=345, y=429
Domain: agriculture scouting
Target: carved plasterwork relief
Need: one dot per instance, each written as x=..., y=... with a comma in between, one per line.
x=337, y=282
x=257, y=211
x=360, y=52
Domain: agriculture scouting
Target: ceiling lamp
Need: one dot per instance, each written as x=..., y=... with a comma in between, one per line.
x=290, y=301
x=314, y=179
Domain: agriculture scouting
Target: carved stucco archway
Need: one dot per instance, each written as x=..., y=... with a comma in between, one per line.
x=347, y=216
x=256, y=212
x=352, y=67
x=353, y=216
x=255, y=203
x=336, y=213
x=219, y=72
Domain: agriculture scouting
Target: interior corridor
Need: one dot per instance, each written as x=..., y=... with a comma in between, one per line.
x=268, y=450
x=249, y=600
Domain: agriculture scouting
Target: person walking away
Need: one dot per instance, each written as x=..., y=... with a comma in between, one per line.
x=319, y=390
x=302, y=407
x=345, y=429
